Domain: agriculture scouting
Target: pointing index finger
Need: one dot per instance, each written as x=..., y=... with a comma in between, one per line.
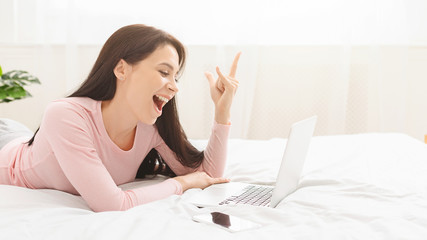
x=234, y=65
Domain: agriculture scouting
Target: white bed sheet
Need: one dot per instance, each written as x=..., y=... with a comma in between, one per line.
x=365, y=186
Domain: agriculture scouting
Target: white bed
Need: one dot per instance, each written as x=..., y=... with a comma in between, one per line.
x=365, y=186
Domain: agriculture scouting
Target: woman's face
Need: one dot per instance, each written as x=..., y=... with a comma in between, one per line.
x=151, y=83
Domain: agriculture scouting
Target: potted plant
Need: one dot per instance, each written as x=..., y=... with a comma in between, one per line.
x=12, y=85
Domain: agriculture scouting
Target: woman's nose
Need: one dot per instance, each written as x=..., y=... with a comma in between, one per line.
x=173, y=87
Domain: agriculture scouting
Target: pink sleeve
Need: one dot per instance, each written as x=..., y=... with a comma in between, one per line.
x=74, y=149
x=215, y=154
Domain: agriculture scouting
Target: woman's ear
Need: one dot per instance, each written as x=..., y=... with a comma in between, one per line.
x=120, y=70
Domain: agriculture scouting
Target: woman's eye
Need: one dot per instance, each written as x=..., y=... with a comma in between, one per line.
x=164, y=74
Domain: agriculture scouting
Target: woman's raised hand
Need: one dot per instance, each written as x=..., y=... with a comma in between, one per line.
x=223, y=90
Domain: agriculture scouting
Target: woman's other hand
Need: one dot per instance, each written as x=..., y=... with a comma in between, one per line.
x=223, y=90
x=198, y=180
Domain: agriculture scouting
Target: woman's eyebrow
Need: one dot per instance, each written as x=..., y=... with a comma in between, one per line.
x=168, y=65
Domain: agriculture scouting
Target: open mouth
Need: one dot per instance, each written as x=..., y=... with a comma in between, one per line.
x=160, y=102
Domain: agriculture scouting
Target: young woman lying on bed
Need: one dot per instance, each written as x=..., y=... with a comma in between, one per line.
x=121, y=123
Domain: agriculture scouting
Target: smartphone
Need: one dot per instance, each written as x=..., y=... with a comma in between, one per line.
x=226, y=221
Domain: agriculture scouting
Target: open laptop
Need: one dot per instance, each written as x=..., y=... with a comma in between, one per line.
x=287, y=180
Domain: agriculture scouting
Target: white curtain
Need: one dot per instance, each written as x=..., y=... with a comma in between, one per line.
x=359, y=65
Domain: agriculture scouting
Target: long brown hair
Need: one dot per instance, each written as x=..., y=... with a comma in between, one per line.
x=134, y=43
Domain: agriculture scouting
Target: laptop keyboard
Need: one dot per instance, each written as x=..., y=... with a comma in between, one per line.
x=252, y=195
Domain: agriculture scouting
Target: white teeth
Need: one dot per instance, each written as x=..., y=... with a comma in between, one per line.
x=162, y=98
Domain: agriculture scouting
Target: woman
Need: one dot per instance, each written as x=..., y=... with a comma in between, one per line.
x=99, y=136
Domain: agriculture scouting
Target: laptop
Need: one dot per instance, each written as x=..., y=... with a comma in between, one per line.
x=293, y=159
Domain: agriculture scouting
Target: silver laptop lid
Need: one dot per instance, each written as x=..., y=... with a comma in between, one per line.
x=293, y=159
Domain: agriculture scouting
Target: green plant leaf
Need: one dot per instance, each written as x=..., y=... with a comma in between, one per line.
x=12, y=85
x=1, y=71
x=3, y=93
x=28, y=94
x=17, y=92
x=10, y=93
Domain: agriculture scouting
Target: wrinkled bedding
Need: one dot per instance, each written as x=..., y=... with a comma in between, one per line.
x=363, y=186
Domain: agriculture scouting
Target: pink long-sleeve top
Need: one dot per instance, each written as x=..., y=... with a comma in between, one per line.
x=73, y=153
